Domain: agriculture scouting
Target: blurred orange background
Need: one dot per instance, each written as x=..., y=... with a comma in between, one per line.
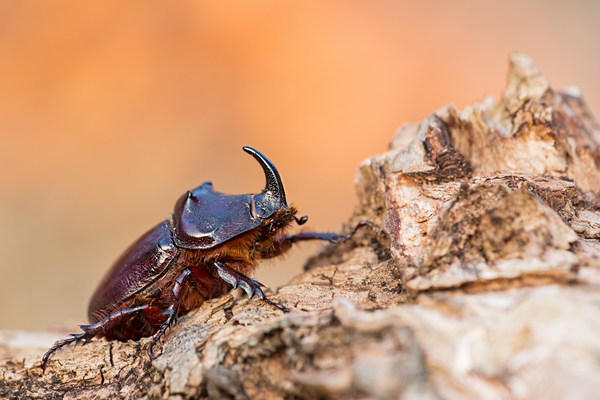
x=110, y=111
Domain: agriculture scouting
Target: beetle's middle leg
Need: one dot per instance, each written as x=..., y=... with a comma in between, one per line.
x=171, y=311
x=250, y=286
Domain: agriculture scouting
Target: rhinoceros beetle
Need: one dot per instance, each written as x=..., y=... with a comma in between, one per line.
x=211, y=243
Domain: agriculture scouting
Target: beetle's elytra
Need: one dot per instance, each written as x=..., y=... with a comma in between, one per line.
x=212, y=243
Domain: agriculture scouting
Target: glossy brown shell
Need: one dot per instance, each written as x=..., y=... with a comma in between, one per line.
x=139, y=266
x=204, y=218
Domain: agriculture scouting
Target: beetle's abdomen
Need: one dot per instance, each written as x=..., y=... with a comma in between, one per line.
x=140, y=265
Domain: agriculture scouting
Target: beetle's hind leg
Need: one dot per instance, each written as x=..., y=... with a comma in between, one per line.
x=97, y=329
x=75, y=337
x=250, y=286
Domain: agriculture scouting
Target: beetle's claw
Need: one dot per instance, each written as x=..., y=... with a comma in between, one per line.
x=276, y=305
x=152, y=343
x=341, y=239
x=75, y=338
x=363, y=223
x=150, y=353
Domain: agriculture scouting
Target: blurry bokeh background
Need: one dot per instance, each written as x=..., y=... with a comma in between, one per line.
x=109, y=111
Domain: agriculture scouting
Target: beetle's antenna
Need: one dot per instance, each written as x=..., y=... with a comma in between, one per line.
x=273, y=198
x=301, y=221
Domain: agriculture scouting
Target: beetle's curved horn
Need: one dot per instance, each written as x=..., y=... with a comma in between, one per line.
x=272, y=198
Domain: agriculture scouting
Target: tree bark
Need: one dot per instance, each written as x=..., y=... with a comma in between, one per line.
x=480, y=279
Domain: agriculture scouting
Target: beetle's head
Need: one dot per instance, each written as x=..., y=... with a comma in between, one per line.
x=272, y=198
x=204, y=218
x=270, y=204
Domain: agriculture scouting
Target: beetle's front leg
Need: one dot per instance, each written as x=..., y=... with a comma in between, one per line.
x=250, y=286
x=330, y=237
x=171, y=311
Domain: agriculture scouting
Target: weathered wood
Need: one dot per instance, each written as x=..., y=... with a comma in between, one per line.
x=480, y=279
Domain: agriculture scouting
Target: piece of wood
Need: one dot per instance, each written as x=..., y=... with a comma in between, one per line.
x=480, y=279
